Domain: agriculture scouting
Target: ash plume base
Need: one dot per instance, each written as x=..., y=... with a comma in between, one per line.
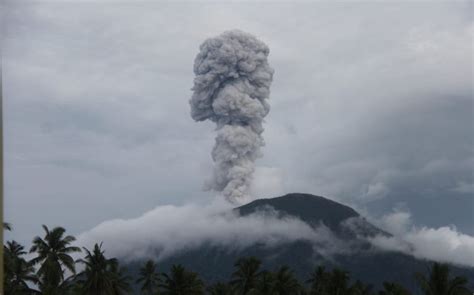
x=231, y=88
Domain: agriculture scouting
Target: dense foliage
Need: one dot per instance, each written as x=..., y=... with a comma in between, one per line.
x=52, y=271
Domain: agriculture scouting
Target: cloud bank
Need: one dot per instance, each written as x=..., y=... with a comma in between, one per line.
x=167, y=230
x=445, y=244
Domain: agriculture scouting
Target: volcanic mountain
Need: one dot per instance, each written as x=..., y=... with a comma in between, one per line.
x=349, y=249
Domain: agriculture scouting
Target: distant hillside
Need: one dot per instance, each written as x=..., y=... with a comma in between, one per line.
x=363, y=261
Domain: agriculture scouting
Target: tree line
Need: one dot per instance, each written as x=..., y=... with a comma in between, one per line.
x=52, y=271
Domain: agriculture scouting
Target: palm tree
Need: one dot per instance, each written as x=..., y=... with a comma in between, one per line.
x=393, y=289
x=15, y=249
x=149, y=278
x=318, y=281
x=265, y=284
x=182, y=282
x=285, y=282
x=246, y=275
x=95, y=278
x=120, y=281
x=439, y=282
x=337, y=283
x=359, y=288
x=18, y=271
x=101, y=276
x=220, y=289
x=53, y=253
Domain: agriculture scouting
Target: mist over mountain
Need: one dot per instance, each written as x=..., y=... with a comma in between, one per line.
x=343, y=239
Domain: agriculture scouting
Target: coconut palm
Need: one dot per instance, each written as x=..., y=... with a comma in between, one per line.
x=14, y=249
x=265, y=284
x=53, y=254
x=318, y=280
x=285, y=282
x=246, y=274
x=220, y=289
x=18, y=272
x=120, y=281
x=359, y=288
x=393, y=289
x=337, y=283
x=95, y=278
x=149, y=278
x=181, y=282
x=440, y=282
x=101, y=275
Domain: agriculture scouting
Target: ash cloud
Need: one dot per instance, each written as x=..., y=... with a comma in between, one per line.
x=231, y=88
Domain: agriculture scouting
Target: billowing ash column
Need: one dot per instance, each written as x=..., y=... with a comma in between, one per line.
x=231, y=88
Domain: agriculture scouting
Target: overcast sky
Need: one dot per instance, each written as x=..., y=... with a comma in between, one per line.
x=371, y=105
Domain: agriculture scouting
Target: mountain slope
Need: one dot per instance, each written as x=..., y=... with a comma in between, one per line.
x=215, y=263
x=315, y=210
x=309, y=208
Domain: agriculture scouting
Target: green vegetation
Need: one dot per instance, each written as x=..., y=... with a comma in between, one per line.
x=149, y=279
x=101, y=275
x=53, y=258
x=52, y=271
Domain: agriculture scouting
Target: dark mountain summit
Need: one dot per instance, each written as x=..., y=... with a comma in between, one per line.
x=315, y=210
x=309, y=208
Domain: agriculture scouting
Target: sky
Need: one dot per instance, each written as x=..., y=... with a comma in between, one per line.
x=371, y=106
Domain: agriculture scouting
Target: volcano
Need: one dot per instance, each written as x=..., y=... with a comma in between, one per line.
x=354, y=253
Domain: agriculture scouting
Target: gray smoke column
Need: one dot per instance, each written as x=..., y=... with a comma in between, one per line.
x=231, y=88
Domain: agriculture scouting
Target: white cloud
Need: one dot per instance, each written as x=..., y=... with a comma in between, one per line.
x=397, y=222
x=376, y=190
x=445, y=244
x=167, y=230
x=464, y=187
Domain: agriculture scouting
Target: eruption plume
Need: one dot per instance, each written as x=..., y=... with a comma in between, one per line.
x=231, y=88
